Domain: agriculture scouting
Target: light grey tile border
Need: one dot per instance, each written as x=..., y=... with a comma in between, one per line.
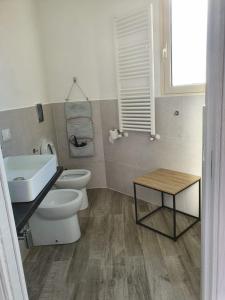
x=179, y=147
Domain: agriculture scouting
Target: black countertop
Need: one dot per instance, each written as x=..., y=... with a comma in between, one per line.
x=24, y=210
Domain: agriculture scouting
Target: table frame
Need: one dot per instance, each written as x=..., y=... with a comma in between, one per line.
x=174, y=236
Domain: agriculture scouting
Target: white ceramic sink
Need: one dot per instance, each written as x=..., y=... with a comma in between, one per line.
x=27, y=175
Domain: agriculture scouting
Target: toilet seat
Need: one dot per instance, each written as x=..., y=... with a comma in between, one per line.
x=74, y=174
x=68, y=177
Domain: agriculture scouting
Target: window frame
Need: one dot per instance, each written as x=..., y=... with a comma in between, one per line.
x=166, y=58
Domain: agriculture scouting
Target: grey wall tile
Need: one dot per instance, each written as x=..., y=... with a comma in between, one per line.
x=120, y=177
x=192, y=117
x=27, y=132
x=167, y=124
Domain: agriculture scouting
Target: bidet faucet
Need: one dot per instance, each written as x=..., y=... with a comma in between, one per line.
x=35, y=151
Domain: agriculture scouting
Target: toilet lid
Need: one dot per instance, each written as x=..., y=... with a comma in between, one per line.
x=47, y=147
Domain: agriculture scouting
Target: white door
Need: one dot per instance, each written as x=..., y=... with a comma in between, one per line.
x=213, y=226
x=12, y=282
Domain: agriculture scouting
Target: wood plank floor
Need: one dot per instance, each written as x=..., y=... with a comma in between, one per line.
x=116, y=259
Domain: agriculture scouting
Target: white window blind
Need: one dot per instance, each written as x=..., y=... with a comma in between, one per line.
x=135, y=70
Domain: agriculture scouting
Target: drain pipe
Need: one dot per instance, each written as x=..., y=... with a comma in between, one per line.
x=26, y=236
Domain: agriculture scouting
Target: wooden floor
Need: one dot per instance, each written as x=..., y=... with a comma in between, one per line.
x=116, y=259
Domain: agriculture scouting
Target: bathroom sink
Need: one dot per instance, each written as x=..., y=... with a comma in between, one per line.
x=27, y=175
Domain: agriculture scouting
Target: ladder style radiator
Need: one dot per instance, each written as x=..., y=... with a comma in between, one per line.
x=133, y=35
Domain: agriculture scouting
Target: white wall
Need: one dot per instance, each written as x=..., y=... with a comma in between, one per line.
x=21, y=72
x=77, y=39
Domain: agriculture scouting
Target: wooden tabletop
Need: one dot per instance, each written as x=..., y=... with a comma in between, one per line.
x=167, y=181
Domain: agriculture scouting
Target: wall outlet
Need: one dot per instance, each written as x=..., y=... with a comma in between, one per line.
x=6, y=135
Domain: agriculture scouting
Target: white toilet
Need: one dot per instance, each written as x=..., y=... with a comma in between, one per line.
x=70, y=179
x=55, y=221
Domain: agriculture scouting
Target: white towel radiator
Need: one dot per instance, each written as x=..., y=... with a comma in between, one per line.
x=133, y=35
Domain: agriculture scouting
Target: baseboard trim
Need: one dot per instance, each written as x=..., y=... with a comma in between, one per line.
x=111, y=189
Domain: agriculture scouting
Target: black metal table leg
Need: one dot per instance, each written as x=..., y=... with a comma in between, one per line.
x=162, y=197
x=174, y=219
x=174, y=236
x=135, y=203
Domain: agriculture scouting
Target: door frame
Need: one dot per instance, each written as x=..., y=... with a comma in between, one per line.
x=213, y=225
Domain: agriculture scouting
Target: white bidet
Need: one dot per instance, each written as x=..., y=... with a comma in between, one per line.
x=69, y=179
x=75, y=179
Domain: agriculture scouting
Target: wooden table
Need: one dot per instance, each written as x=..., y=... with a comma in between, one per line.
x=172, y=183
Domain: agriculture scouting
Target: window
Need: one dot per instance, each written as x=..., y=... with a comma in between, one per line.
x=184, y=46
